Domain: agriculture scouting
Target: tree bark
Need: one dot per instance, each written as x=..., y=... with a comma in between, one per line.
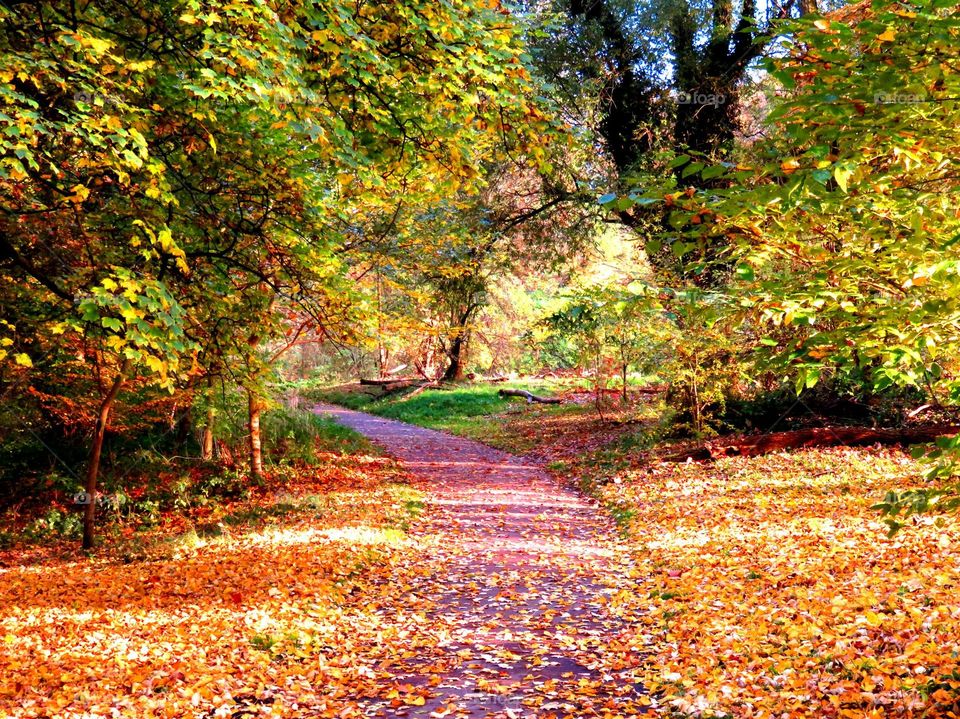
x=93, y=466
x=184, y=428
x=254, y=407
x=456, y=369
x=206, y=449
x=529, y=396
x=756, y=445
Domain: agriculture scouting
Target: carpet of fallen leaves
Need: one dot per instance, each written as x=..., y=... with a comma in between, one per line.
x=767, y=587
x=514, y=575
x=278, y=618
x=762, y=587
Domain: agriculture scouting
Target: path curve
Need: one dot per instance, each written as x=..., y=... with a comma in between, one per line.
x=523, y=572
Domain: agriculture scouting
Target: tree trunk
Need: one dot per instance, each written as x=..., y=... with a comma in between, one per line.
x=381, y=348
x=457, y=367
x=184, y=428
x=623, y=371
x=206, y=449
x=599, y=385
x=93, y=466
x=254, y=407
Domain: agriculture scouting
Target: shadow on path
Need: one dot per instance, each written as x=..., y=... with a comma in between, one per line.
x=518, y=573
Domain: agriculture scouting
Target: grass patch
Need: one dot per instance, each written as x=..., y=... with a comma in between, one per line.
x=299, y=435
x=458, y=410
x=476, y=410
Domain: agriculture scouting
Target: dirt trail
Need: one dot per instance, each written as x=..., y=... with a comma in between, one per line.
x=520, y=575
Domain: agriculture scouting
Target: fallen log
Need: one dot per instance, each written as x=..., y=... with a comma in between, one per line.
x=756, y=445
x=399, y=385
x=650, y=389
x=530, y=397
x=389, y=380
x=435, y=384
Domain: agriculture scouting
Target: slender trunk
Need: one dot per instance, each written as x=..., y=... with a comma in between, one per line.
x=206, y=451
x=598, y=386
x=184, y=428
x=697, y=419
x=93, y=466
x=623, y=371
x=381, y=349
x=256, y=447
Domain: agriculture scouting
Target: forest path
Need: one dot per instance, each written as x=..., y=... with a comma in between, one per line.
x=517, y=584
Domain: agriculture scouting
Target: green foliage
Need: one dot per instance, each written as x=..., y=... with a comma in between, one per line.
x=678, y=335
x=54, y=525
x=837, y=232
x=298, y=434
x=841, y=229
x=613, y=330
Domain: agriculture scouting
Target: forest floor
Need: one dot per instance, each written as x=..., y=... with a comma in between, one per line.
x=756, y=586
x=517, y=575
x=458, y=580
x=457, y=583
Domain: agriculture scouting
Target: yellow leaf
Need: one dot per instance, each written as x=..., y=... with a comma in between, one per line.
x=789, y=165
x=23, y=360
x=887, y=36
x=155, y=364
x=80, y=193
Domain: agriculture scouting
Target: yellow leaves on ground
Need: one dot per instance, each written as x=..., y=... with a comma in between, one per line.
x=259, y=622
x=767, y=587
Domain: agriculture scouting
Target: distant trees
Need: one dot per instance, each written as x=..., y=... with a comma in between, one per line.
x=611, y=329
x=431, y=271
x=654, y=75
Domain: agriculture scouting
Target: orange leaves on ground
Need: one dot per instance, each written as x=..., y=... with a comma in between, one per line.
x=265, y=620
x=768, y=587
